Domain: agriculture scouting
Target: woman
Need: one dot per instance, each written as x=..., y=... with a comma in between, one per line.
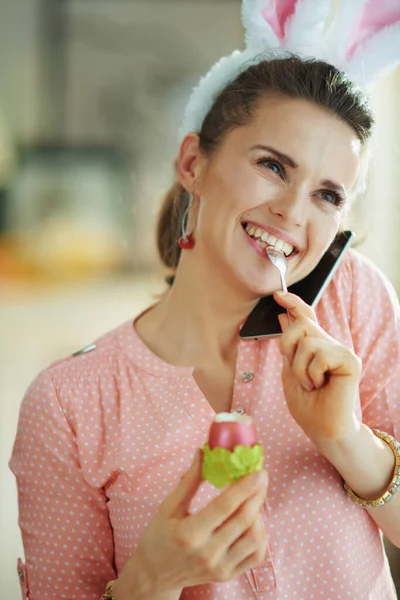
x=105, y=438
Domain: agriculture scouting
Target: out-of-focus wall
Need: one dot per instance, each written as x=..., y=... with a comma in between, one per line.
x=114, y=74
x=378, y=213
x=20, y=67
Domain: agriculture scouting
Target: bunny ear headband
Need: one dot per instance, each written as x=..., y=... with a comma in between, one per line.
x=363, y=41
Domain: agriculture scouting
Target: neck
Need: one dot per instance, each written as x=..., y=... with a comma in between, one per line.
x=199, y=319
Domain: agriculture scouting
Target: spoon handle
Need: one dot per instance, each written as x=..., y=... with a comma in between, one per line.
x=283, y=282
x=284, y=289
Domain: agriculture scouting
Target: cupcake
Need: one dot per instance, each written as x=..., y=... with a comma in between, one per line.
x=232, y=450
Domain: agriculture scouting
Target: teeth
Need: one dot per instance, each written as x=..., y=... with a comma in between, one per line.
x=265, y=239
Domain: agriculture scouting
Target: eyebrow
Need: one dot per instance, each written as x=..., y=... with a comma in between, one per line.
x=286, y=160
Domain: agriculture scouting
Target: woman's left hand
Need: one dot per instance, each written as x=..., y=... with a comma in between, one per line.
x=320, y=376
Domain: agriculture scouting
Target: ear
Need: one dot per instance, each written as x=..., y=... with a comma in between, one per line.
x=190, y=162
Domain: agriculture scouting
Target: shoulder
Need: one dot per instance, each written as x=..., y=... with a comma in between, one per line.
x=362, y=269
x=365, y=297
x=360, y=286
x=371, y=291
x=76, y=385
x=359, y=303
x=100, y=354
x=357, y=269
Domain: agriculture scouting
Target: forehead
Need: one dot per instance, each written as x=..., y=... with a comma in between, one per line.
x=317, y=139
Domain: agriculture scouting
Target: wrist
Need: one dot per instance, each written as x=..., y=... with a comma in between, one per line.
x=364, y=461
x=121, y=593
x=136, y=588
x=134, y=585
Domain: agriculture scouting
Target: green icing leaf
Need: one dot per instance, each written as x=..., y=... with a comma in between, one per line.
x=222, y=467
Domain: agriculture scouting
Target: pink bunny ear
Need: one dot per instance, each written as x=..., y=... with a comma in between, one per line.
x=375, y=16
x=277, y=14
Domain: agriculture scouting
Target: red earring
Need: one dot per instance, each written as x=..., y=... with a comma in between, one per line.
x=186, y=241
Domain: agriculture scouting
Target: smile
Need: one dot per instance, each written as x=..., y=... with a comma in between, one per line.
x=264, y=239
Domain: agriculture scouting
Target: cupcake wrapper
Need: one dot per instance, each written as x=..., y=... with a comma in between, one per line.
x=222, y=467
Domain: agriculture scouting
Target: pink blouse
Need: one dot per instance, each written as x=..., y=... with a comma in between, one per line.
x=105, y=435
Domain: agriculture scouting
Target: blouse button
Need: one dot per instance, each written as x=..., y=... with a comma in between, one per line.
x=21, y=574
x=247, y=376
x=239, y=410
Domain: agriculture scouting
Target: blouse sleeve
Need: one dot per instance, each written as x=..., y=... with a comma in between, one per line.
x=375, y=325
x=64, y=522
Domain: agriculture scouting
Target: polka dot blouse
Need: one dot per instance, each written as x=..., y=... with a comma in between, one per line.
x=104, y=436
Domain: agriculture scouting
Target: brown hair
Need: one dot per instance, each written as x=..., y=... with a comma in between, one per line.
x=292, y=77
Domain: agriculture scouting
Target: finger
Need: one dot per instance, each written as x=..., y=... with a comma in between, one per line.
x=250, y=550
x=295, y=306
x=226, y=504
x=237, y=525
x=284, y=321
x=305, y=353
x=289, y=340
x=177, y=503
x=318, y=369
x=332, y=358
x=251, y=562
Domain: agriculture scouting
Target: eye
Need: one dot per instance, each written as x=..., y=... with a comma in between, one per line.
x=273, y=164
x=332, y=198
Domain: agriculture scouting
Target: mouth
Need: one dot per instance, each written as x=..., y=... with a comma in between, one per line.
x=264, y=239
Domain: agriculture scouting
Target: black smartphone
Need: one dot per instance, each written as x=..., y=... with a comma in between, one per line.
x=263, y=319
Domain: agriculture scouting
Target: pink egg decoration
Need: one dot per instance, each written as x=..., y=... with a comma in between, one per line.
x=231, y=429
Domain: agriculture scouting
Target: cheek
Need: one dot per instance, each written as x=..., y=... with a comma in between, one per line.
x=324, y=223
x=235, y=188
x=322, y=231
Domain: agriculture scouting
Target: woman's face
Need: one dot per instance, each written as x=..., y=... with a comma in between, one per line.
x=282, y=180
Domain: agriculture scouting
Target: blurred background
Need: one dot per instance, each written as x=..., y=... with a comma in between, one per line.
x=91, y=99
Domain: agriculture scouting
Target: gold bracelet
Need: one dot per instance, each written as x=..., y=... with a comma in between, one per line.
x=394, y=484
x=108, y=594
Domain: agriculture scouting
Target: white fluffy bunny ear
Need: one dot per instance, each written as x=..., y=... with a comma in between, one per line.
x=364, y=39
x=338, y=34
x=374, y=44
x=264, y=22
x=305, y=29
x=293, y=25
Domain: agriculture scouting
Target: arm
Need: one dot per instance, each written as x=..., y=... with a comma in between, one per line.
x=364, y=461
x=65, y=526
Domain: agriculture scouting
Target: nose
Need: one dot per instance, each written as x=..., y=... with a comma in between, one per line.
x=291, y=208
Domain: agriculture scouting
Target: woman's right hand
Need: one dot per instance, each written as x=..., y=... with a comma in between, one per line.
x=217, y=544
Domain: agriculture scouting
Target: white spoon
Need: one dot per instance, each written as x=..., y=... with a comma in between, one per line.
x=278, y=259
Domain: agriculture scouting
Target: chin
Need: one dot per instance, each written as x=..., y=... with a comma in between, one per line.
x=260, y=284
